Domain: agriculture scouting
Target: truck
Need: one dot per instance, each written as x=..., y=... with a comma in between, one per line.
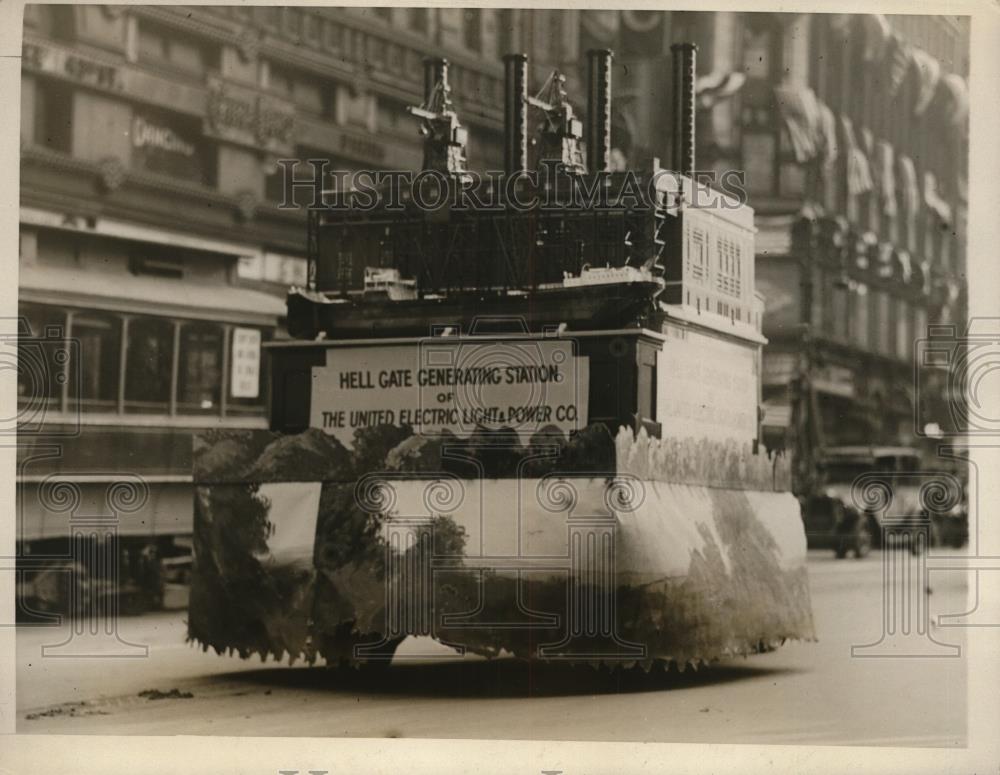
x=527, y=427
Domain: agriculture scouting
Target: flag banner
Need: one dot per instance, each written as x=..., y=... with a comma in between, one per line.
x=928, y=71
x=898, y=58
x=718, y=87
x=828, y=131
x=801, y=116
x=859, y=179
x=885, y=164
x=877, y=34
x=933, y=199
x=956, y=96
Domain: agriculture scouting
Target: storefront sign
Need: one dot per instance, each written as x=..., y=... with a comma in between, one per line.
x=242, y=115
x=75, y=67
x=245, y=381
x=166, y=146
x=146, y=134
x=455, y=386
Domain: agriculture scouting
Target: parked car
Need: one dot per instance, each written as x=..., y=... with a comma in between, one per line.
x=836, y=518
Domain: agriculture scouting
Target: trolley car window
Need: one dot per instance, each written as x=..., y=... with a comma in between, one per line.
x=199, y=382
x=94, y=370
x=41, y=351
x=148, y=365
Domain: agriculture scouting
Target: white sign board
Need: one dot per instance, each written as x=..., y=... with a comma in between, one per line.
x=706, y=387
x=456, y=386
x=245, y=381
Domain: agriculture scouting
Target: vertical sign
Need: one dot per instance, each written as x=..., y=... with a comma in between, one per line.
x=246, y=363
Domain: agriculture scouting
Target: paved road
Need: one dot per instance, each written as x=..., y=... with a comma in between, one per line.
x=813, y=693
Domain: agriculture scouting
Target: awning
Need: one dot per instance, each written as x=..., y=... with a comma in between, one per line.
x=126, y=292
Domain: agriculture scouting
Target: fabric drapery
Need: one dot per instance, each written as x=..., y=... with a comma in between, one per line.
x=897, y=57
x=829, y=144
x=877, y=33
x=956, y=99
x=928, y=71
x=800, y=113
x=717, y=87
x=859, y=179
x=909, y=188
x=886, y=176
x=933, y=199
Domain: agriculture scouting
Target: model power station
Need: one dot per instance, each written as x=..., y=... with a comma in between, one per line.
x=524, y=426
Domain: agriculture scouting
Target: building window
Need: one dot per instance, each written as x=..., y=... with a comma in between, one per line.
x=161, y=46
x=762, y=50
x=199, y=380
x=41, y=356
x=96, y=360
x=473, y=29
x=420, y=20
x=305, y=91
x=727, y=278
x=53, y=116
x=149, y=365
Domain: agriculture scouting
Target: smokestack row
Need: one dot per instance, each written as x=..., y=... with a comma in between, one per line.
x=515, y=114
x=684, y=107
x=599, y=110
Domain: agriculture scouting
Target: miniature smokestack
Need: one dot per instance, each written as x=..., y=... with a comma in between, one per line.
x=684, y=107
x=515, y=113
x=599, y=110
x=435, y=69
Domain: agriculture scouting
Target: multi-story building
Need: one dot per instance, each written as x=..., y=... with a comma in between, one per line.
x=851, y=136
x=153, y=251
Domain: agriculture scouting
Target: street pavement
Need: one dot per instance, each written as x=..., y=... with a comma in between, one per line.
x=806, y=693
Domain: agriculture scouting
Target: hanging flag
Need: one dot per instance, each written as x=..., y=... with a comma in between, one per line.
x=935, y=203
x=877, y=32
x=859, y=179
x=884, y=163
x=717, y=87
x=928, y=74
x=956, y=96
x=897, y=56
x=909, y=188
x=828, y=133
x=801, y=116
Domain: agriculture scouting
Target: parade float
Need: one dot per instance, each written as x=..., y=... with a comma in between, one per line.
x=517, y=430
